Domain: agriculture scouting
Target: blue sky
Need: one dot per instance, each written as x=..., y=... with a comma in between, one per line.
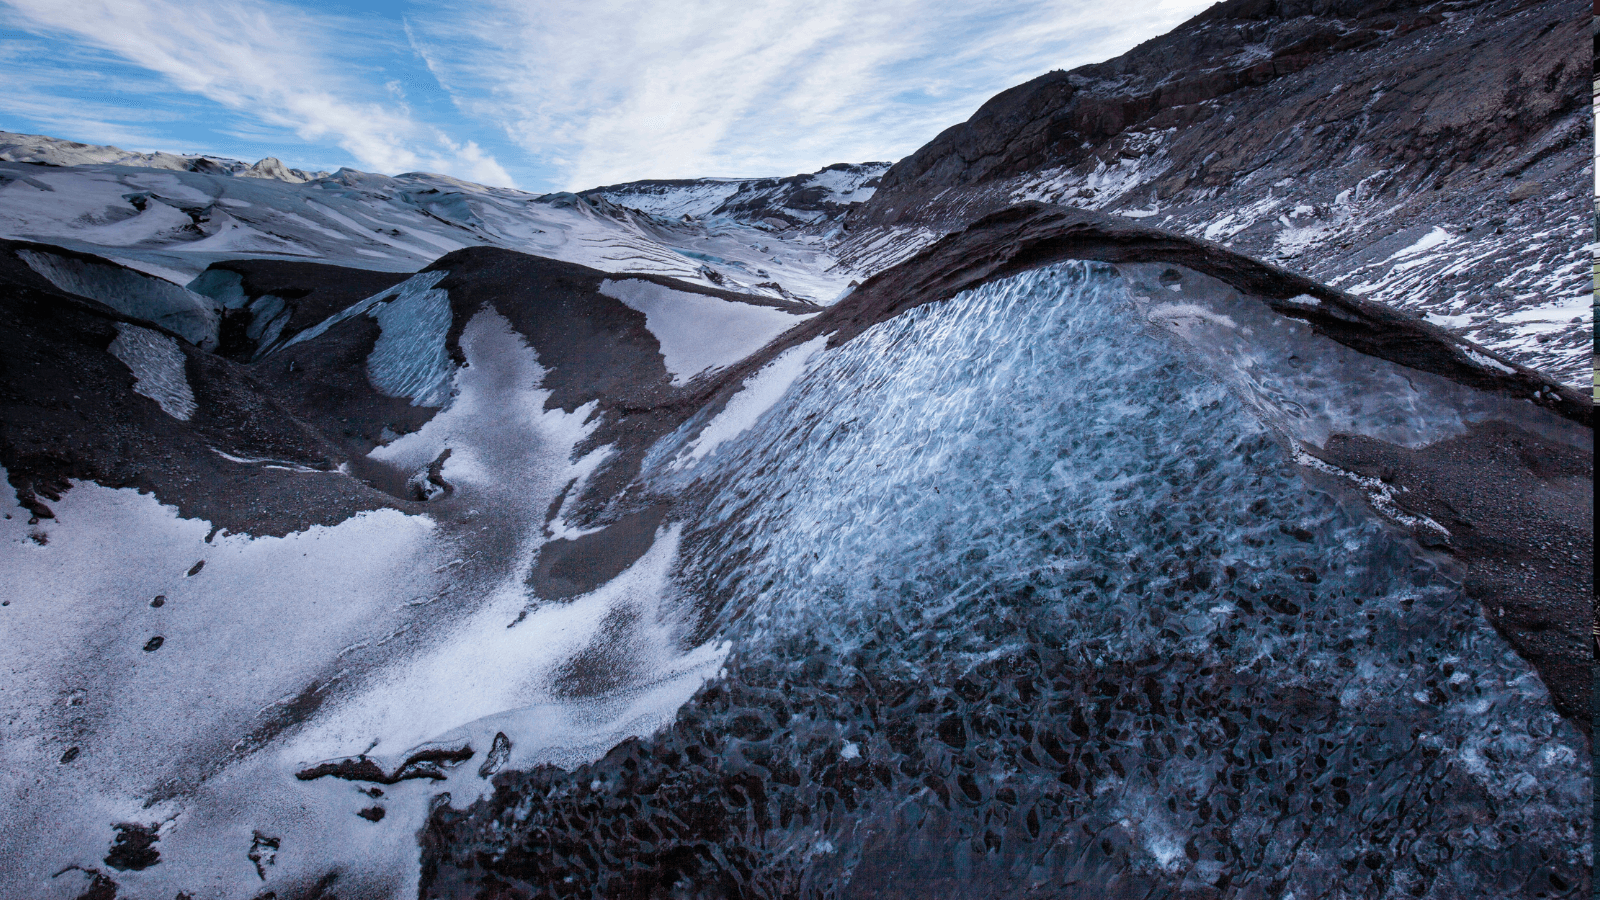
x=542, y=95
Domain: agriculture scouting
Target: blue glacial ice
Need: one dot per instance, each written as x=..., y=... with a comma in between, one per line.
x=1023, y=602
x=409, y=359
x=179, y=310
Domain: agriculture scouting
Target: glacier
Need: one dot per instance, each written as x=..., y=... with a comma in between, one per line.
x=1003, y=581
x=1057, y=613
x=175, y=223
x=1004, y=573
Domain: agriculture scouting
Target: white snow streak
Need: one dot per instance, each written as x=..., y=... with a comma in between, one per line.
x=698, y=333
x=158, y=367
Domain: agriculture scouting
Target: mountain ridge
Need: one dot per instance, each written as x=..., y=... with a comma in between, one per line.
x=1432, y=155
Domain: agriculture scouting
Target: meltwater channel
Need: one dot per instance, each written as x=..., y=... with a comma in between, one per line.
x=1020, y=602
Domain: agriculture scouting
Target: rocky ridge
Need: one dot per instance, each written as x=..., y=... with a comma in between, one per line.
x=49, y=151
x=814, y=202
x=1431, y=155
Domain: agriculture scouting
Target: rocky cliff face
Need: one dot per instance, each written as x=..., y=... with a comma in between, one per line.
x=1431, y=155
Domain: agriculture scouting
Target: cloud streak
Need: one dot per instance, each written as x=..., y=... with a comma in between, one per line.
x=274, y=63
x=568, y=94
x=613, y=90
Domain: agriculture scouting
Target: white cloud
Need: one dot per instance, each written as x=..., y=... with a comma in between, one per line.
x=614, y=90
x=571, y=93
x=271, y=62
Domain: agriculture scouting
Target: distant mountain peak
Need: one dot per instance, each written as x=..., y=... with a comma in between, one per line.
x=49, y=151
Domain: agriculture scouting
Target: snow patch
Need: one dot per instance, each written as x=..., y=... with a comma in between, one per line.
x=759, y=393
x=1438, y=237
x=1183, y=318
x=1488, y=362
x=158, y=367
x=698, y=333
x=382, y=634
x=1379, y=494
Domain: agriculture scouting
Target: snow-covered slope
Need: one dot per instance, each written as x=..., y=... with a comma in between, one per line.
x=176, y=223
x=468, y=393
x=49, y=151
x=808, y=202
x=1431, y=155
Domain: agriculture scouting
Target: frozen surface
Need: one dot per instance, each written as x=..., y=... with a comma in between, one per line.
x=409, y=359
x=696, y=199
x=158, y=366
x=759, y=393
x=177, y=309
x=178, y=222
x=51, y=151
x=698, y=333
x=379, y=638
x=1022, y=600
x=1438, y=237
x=775, y=203
x=1309, y=387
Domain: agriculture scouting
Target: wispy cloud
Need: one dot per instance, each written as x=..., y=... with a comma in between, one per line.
x=563, y=93
x=613, y=90
x=275, y=64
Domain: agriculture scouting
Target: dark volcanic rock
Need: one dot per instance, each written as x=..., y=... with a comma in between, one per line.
x=1327, y=136
x=1521, y=510
x=100, y=887
x=569, y=567
x=68, y=409
x=324, y=381
x=134, y=848
x=423, y=763
x=269, y=301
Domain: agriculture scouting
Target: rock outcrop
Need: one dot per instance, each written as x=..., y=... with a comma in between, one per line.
x=1435, y=156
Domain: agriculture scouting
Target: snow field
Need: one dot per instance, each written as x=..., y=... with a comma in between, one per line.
x=699, y=333
x=383, y=633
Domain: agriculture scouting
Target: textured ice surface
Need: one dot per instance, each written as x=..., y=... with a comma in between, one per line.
x=1024, y=604
x=409, y=359
x=269, y=314
x=696, y=332
x=180, y=311
x=1309, y=387
x=159, y=367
